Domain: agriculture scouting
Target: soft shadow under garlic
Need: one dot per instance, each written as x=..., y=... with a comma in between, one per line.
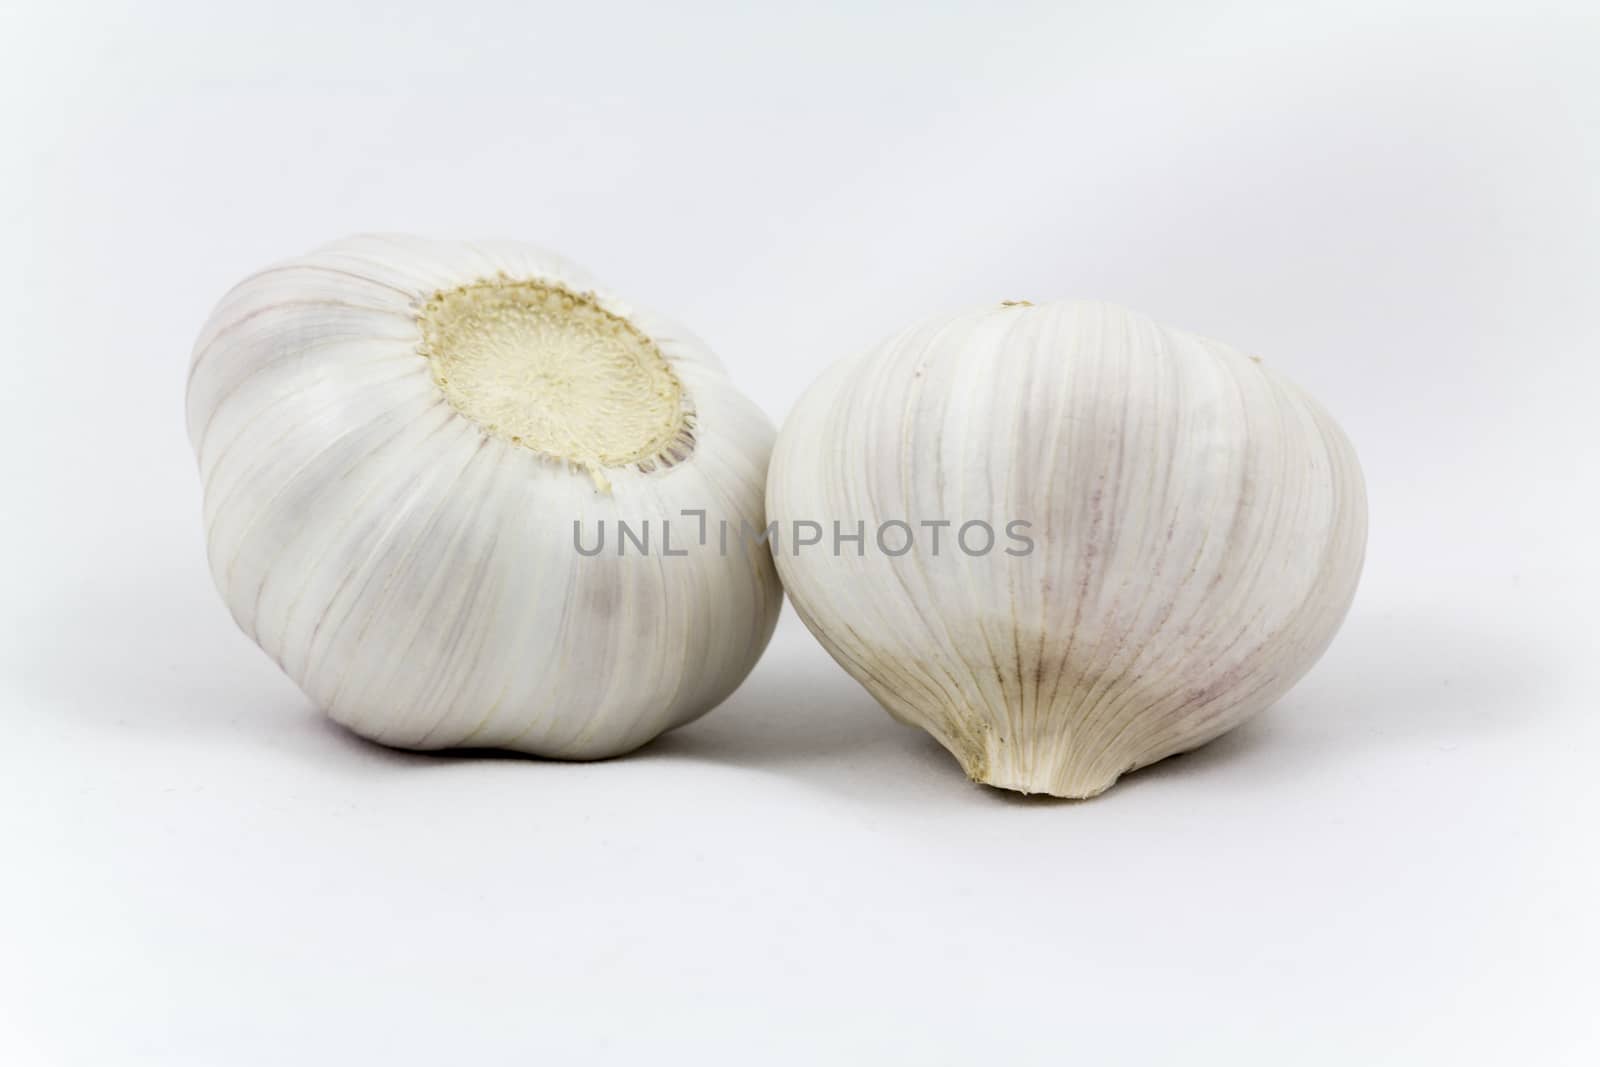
x=809, y=722
x=1400, y=678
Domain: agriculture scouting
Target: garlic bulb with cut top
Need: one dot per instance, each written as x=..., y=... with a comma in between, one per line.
x=1065, y=540
x=409, y=449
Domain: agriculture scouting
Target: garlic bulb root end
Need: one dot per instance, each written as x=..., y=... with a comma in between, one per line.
x=553, y=371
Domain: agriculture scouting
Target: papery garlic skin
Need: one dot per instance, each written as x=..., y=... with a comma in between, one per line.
x=1198, y=527
x=390, y=515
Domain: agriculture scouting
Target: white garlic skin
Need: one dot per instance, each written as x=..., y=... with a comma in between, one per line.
x=1198, y=527
x=414, y=573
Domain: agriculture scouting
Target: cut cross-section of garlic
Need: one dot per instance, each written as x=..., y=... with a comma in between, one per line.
x=399, y=441
x=1107, y=541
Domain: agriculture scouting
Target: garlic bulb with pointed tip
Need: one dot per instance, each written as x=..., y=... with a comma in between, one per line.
x=1065, y=540
x=409, y=449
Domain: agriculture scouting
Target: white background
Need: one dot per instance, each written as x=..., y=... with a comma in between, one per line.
x=1397, y=864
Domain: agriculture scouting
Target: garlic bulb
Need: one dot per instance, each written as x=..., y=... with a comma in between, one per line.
x=409, y=450
x=1065, y=540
